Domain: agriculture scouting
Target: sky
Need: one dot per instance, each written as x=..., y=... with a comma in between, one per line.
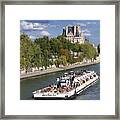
x=53, y=28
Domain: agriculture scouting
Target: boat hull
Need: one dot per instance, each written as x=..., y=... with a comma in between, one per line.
x=55, y=98
x=66, y=97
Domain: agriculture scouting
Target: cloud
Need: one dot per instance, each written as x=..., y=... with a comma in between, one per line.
x=45, y=33
x=82, y=24
x=91, y=23
x=85, y=30
x=25, y=25
x=31, y=26
x=32, y=37
x=87, y=34
x=54, y=26
x=79, y=23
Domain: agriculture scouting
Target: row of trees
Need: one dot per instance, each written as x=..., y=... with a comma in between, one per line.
x=44, y=52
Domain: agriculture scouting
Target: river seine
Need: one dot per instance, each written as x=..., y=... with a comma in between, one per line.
x=30, y=84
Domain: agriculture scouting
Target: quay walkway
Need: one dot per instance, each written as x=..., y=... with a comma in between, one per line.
x=51, y=70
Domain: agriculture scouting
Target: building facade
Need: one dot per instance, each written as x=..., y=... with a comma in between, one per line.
x=74, y=34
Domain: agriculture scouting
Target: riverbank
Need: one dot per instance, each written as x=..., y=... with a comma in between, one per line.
x=51, y=70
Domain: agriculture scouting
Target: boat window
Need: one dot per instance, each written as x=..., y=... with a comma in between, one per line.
x=94, y=75
x=83, y=81
x=62, y=81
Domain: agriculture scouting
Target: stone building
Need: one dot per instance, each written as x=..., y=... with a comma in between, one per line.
x=74, y=34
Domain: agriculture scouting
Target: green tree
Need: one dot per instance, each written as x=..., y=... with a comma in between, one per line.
x=37, y=59
x=43, y=50
x=64, y=52
x=54, y=45
x=26, y=53
x=75, y=47
x=45, y=60
x=71, y=59
x=57, y=62
x=81, y=57
x=88, y=50
x=63, y=60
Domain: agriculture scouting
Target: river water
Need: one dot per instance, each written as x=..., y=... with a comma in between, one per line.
x=30, y=84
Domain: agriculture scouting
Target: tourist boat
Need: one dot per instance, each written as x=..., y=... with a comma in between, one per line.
x=67, y=86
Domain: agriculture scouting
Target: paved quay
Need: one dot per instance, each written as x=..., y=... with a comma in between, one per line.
x=51, y=70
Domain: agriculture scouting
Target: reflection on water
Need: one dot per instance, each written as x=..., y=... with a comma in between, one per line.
x=31, y=84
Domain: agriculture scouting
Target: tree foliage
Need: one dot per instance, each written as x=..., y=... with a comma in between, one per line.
x=44, y=52
x=26, y=54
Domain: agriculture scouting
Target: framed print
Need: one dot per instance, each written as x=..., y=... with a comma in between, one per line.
x=60, y=60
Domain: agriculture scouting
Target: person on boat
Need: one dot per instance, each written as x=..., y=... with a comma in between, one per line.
x=71, y=80
x=74, y=84
x=58, y=79
x=58, y=83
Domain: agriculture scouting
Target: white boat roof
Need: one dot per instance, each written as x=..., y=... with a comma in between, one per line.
x=65, y=73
